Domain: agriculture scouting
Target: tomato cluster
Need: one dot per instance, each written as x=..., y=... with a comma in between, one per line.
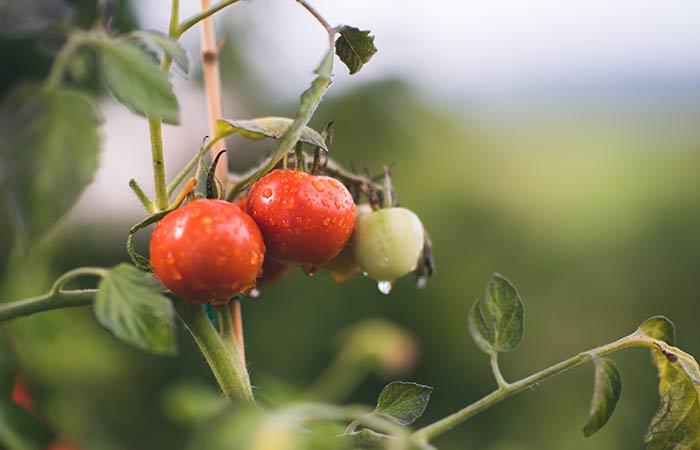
x=211, y=250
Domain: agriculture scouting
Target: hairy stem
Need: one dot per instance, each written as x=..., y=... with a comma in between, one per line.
x=142, y=196
x=435, y=429
x=156, y=129
x=225, y=361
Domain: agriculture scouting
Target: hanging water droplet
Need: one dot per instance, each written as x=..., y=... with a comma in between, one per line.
x=267, y=193
x=254, y=293
x=421, y=282
x=385, y=287
x=309, y=270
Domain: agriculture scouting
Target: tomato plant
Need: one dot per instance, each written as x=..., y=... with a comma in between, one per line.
x=210, y=251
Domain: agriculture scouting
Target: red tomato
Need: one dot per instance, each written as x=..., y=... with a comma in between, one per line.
x=304, y=218
x=272, y=270
x=21, y=395
x=207, y=250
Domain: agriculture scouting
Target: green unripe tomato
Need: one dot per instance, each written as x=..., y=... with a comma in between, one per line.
x=388, y=243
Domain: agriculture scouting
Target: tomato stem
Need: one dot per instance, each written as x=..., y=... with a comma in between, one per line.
x=225, y=361
x=504, y=391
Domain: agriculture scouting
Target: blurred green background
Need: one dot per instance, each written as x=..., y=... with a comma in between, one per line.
x=592, y=209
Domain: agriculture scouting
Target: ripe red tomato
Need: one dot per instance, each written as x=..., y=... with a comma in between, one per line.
x=272, y=270
x=207, y=250
x=304, y=218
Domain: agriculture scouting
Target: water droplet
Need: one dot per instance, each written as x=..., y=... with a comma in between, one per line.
x=309, y=269
x=285, y=223
x=320, y=187
x=333, y=183
x=289, y=204
x=421, y=282
x=206, y=220
x=337, y=204
x=385, y=287
x=254, y=293
x=254, y=259
x=325, y=202
x=177, y=276
x=267, y=193
x=326, y=221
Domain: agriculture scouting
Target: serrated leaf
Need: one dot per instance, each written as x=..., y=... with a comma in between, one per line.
x=354, y=47
x=168, y=45
x=506, y=310
x=267, y=127
x=20, y=429
x=130, y=305
x=660, y=328
x=676, y=424
x=49, y=149
x=479, y=329
x=606, y=392
x=136, y=80
x=22, y=18
x=403, y=402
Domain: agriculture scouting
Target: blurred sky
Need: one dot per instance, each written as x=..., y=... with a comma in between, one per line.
x=475, y=48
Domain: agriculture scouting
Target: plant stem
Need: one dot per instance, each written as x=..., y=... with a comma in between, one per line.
x=337, y=381
x=232, y=328
x=46, y=302
x=141, y=195
x=212, y=87
x=156, y=129
x=80, y=271
x=63, y=57
x=225, y=362
x=429, y=432
x=194, y=20
x=502, y=383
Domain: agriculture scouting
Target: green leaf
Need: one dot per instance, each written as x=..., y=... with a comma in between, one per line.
x=168, y=45
x=354, y=47
x=606, y=393
x=676, y=424
x=267, y=127
x=479, y=329
x=403, y=402
x=660, y=328
x=136, y=80
x=506, y=309
x=49, y=149
x=20, y=429
x=130, y=305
